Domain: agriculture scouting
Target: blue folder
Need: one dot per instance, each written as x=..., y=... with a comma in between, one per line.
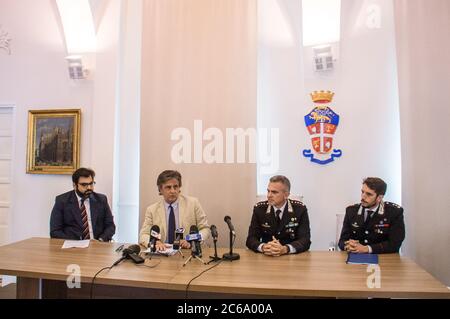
x=362, y=259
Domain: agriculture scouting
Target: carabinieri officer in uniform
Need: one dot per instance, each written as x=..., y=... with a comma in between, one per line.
x=279, y=225
x=373, y=226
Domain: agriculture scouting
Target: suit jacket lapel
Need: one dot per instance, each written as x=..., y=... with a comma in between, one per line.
x=181, y=214
x=75, y=209
x=273, y=219
x=94, y=208
x=360, y=218
x=161, y=218
x=284, y=219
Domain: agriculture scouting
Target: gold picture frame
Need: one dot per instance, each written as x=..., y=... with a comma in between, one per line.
x=53, y=145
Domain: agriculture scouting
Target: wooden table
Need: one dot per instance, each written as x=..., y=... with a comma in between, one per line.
x=41, y=269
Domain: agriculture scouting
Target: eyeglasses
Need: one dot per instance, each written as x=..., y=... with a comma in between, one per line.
x=87, y=184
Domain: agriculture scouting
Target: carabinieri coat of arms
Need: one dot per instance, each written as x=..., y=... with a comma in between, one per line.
x=322, y=123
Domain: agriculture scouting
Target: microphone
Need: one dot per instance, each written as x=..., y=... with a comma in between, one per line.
x=194, y=239
x=214, y=233
x=131, y=252
x=154, y=237
x=178, y=237
x=227, y=220
x=230, y=256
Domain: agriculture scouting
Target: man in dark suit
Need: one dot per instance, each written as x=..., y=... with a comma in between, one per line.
x=279, y=225
x=373, y=226
x=81, y=213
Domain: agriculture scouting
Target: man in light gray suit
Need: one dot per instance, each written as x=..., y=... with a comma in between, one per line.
x=172, y=212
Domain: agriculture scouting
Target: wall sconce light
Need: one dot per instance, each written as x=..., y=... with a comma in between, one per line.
x=76, y=70
x=323, y=58
x=79, y=33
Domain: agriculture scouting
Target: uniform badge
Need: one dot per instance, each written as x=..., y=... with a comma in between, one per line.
x=322, y=123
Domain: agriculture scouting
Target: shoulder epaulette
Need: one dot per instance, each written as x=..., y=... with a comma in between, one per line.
x=392, y=204
x=264, y=203
x=297, y=202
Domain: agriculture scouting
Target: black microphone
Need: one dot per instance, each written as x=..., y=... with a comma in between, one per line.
x=154, y=237
x=194, y=239
x=131, y=252
x=230, y=256
x=214, y=233
x=134, y=254
x=227, y=220
x=178, y=237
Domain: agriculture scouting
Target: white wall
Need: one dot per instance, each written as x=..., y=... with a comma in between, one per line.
x=424, y=72
x=126, y=168
x=105, y=96
x=35, y=76
x=366, y=99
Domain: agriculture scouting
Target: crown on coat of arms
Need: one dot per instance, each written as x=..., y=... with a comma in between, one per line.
x=322, y=96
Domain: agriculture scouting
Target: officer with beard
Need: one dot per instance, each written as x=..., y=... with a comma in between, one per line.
x=81, y=213
x=373, y=226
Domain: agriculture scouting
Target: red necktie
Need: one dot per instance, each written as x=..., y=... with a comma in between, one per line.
x=84, y=219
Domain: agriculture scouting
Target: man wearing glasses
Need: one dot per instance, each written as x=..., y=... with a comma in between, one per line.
x=81, y=213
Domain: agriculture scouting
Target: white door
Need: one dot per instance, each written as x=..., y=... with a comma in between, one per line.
x=6, y=152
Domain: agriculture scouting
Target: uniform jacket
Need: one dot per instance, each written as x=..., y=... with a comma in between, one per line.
x=384, y=232
x=293, y=228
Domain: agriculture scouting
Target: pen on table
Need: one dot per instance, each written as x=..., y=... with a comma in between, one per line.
x=119, y=248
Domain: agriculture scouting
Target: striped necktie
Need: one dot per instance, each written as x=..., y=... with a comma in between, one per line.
x=84, y=219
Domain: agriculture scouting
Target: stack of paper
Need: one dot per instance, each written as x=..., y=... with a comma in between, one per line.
x=75, y=244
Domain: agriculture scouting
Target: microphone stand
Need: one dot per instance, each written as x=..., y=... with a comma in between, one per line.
x=179, y=252
x=215, y=257
x=231, y=256
x=193, y=254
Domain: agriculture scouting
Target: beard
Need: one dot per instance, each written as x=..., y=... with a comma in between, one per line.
x=368, y=204
x=86, y=194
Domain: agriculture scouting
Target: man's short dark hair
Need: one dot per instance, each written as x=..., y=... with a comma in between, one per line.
x=376, y=184
x=281, y=179
x=166, y=176
x=82, y=172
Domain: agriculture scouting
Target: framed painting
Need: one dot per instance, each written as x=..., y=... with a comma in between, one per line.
x=53, y=141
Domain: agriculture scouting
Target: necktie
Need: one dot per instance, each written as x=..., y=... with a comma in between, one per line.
x=278, y=212
x=84, y=219
x=367, y=215
x=171, y=230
